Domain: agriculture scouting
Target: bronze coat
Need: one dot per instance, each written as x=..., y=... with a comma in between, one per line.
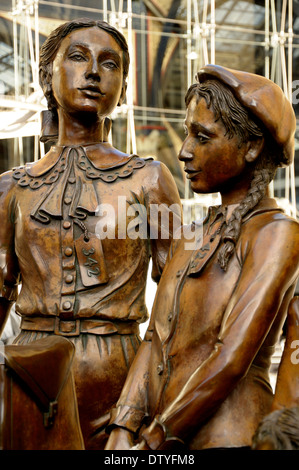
x=204, y=376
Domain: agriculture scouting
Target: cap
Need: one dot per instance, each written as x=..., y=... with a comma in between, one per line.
x=263, y=99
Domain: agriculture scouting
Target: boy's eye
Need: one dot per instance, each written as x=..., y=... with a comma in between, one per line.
x=202, y=138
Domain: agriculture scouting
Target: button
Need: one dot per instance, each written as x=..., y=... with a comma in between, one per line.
x=169, y=318
x=67, y=305
x=68, y=251
x=69, y=278
x=67, y=200
x=160, y=369
x=178, y=273
x=72, y=180
x=66, y=224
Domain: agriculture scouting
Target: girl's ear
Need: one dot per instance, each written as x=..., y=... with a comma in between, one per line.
x=123, y=94
x=255, y=148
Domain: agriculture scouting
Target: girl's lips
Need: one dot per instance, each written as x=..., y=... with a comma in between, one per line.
x=92, y=91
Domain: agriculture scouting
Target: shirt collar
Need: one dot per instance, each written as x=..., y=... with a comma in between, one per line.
x=102, y=155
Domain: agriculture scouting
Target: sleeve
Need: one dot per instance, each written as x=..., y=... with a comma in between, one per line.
x=9, y=270
x=131, y=408
x=268, y=273
x=287, y=383
x=164, y=213
x=164, y=216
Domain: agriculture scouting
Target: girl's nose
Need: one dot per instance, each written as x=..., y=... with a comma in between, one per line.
x=93, y=70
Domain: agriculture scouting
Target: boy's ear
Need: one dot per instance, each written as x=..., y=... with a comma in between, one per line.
x=255, y=148
x=123, y=94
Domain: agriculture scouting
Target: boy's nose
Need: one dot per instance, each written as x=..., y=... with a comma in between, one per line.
x=185, y=152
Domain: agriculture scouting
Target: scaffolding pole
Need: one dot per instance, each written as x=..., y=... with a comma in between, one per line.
x=200, y=36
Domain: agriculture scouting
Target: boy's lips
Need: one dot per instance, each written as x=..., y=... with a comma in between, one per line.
x=191, y=173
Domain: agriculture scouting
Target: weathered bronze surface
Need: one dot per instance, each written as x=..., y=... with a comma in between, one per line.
x=201, y=377
x=37, y=394
x=69, y=235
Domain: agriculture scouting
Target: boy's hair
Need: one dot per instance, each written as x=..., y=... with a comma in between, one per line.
x=237, y=121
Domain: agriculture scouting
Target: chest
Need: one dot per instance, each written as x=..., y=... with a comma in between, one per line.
x=190, y=306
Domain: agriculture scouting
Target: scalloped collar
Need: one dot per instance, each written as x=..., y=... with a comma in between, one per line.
x=102, y=156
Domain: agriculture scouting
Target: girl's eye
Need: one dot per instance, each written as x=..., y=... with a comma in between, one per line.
x=77, y=57
x=110, y=65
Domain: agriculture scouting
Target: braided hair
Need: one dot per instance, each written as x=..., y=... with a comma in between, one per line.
x=237, y=122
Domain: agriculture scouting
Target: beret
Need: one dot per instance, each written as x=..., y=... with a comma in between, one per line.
x=264, y=99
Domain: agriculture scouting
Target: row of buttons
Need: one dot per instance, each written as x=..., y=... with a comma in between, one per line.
x=68, y=265
x=170, y=316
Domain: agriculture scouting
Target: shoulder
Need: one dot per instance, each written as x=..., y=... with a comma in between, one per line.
x=155, y=166
x=276, y=221
x=271, y=232
x=267, y=216
x=7, y=193
x=157, y=176
x=7, y=182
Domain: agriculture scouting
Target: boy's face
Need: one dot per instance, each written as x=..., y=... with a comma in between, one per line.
x=88, y=72
x=212, y=161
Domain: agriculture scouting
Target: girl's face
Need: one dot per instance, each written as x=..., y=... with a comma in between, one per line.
x=88, y=72
x=213, y=162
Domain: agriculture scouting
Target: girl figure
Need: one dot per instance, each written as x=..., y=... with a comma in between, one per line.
x=201, y=376
x=82, y=274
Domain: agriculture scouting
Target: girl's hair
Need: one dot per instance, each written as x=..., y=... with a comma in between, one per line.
x=237, y=122
x=51, y=45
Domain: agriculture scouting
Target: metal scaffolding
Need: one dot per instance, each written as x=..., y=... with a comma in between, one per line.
x=203, y=34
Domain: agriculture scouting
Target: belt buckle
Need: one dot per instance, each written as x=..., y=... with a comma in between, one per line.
x=69, y=327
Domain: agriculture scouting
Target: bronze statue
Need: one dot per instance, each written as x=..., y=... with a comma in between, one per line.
x=201, y=376
x=69, y=233
x=39, y=408
x=279, y=430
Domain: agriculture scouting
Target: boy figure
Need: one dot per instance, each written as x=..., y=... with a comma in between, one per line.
x=201, y=376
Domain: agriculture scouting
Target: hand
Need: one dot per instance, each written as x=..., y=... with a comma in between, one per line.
x=120, y=439
x=141, y=446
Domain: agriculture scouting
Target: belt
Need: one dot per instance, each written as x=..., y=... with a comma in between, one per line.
x=80, y=325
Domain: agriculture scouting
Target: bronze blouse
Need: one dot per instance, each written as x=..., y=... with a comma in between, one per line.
x=49, y=238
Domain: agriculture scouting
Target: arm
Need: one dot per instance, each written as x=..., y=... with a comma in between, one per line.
x=164, y=213
x=131, y=408
x=287, y=383
x=9, y=273
x=270, y=268
x=160, y=192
